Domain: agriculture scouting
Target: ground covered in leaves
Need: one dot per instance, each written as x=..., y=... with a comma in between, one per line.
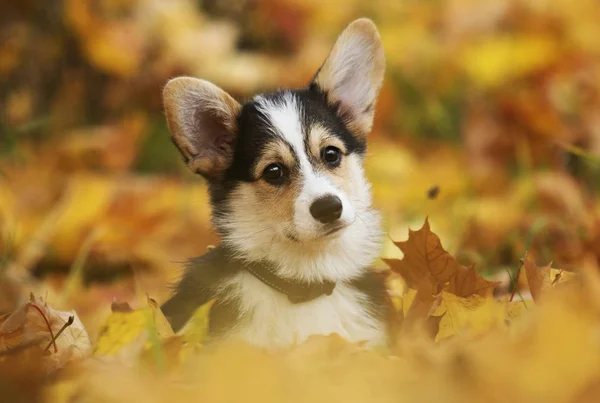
x=456, y=342
x=486, y=140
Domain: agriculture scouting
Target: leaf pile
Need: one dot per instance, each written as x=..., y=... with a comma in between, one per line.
x=486, y=348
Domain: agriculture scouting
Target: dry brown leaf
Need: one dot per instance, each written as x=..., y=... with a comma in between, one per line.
x=467, y=282
x=425, y=257
x=538, y=278
x=12, y=328
x=121, y=306
x=35, y=324
x=422, y=308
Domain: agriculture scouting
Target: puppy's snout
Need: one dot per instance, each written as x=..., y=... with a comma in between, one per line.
x=326, y=209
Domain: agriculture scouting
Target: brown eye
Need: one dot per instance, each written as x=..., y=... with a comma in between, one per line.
x=274, y=174
x=331, y=155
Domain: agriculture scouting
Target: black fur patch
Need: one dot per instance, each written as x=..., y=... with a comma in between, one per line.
x=198, y=286
x=317, y=111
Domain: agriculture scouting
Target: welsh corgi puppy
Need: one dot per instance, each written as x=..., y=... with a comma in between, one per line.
x=290, y=201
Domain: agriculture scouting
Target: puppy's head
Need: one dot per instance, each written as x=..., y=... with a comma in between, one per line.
x=285, y=169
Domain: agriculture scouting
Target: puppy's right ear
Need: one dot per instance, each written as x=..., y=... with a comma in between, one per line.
x=202, y=122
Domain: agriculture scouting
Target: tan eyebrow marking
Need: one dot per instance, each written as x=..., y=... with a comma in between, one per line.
x=319, y=137
x=275, y=151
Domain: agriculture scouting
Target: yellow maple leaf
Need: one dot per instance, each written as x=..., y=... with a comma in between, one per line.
x=127, y=332
x=196, y=331
x=474, y=315
x=197, y=328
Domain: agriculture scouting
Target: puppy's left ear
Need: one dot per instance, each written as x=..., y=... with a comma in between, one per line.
x=352, y=75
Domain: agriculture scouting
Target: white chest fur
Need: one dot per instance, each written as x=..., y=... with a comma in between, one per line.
x=274, y=322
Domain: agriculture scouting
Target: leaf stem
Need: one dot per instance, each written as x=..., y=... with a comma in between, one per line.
x=62, y=329
x=33, y=304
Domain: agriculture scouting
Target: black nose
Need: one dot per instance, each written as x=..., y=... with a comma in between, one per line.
x=326, y=209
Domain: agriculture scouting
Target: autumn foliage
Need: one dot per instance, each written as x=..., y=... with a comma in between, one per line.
x=486, y=141
x=454, y=334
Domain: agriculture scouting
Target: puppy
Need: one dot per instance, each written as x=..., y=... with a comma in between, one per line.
x=290, y=202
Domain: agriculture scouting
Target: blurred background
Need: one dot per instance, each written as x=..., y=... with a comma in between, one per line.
x=488, y=123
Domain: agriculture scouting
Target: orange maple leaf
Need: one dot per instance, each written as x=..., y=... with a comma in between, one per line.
x=425, y=257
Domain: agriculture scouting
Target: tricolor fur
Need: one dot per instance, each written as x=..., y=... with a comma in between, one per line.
x=287, y=187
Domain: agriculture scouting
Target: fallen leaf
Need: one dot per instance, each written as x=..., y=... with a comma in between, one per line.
x=474, y=315
x=119, y=306
x=421, y=305
x=36, y=324
x=196, y=329
x=538, y=278
x=424, y=256
x=11, y=322
x=467, y=282
x=127, y=333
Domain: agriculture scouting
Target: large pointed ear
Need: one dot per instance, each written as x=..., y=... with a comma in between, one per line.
x=352, y=75
x=202, y=122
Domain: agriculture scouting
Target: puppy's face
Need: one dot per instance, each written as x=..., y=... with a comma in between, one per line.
x=296, y=172
x=285, y=169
